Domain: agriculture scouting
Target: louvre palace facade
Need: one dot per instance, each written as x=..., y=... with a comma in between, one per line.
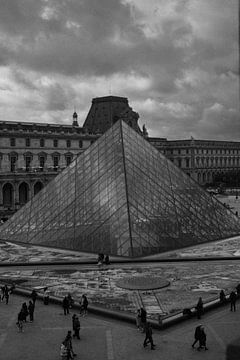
x=32, y=154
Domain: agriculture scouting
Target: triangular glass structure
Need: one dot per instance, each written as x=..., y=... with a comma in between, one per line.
x=122, y=197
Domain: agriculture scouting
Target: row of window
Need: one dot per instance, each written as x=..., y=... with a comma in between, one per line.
x=204, y=151
x=42, y=161
x=42, y=142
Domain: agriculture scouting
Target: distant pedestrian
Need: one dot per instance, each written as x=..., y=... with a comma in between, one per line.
x=199, y=308
x=6, y=294
x=143, y=319
x=20, y=320
x=64, y=351
x=106, y=260
x=24, y=311
x=233, y=299
x=222, y=297
x=31, y=310
x=148, y=338
x=138, y=319
x=73, y=318
x=68, y=341
x=34, y=296
x=76, y=327
x=202, y=339
x=197, y=335
x=84, y=303
x=3, y=292
x=70, y=300
x=65, y=305
x=100, y=259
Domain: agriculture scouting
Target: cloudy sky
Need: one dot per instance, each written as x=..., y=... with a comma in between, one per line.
x=175, y=60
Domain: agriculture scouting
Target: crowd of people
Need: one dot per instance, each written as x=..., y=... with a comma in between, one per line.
x=5, y=292
x=26, y=314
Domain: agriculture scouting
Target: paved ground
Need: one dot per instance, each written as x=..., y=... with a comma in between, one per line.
x=107, y=339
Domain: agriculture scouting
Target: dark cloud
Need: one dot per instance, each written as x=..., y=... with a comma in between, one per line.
x=173, y=59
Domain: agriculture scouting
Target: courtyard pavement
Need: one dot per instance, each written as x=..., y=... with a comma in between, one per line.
x=109, y=339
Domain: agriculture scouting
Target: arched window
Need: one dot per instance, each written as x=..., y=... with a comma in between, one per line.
x=7, y=195
x=23, y=193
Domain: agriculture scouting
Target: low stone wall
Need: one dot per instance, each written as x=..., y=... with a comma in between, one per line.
x=123, y=316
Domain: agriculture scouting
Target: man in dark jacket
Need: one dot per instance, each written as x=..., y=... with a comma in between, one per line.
x=197, y=335
x=148, y=337
x=34, y=296
x=65, y=305
x=233, y=299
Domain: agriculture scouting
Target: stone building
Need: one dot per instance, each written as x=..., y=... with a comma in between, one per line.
x=202, y=160
x=32, y=154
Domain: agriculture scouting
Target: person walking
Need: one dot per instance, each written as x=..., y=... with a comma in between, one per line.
x=222, y=297
x=6, y=294
x=65, y=304
x=233, y=299
x=31, y=310
x=199, y=308
x=143, y=319
x=197, y=335
x=138, y=319
x=20, y=320
x=76, y=327
x=202, y=339
x=84, y=303
x=24, y=311
x=68, y=341
x=64, y=351
x=34, y=296
x=148, y=338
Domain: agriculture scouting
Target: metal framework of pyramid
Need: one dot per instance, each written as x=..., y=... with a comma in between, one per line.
x=121, y=197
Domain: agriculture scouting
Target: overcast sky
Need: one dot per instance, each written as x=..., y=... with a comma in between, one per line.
x=175, y=60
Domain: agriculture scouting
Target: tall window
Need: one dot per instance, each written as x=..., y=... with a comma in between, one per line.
x=27, y=162
x=68, y=160
x=187, y=163
x=41, y=161
x=80, y=144
x=12, y=142
x=42, y=142
x=68, y=143
x=13, y=163
x=55, y=162
x=55, y=142
x=28, y=142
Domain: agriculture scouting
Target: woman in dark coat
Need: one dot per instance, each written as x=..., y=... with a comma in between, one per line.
x=202, y=339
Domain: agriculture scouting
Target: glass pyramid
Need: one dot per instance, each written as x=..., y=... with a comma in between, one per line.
x=121, y=197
